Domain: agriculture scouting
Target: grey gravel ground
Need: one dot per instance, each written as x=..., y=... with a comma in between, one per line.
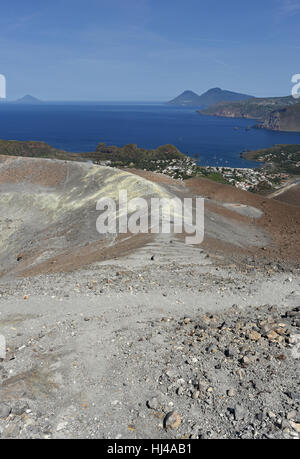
x=175, y=347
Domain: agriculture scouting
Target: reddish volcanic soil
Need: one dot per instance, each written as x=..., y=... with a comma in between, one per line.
x=279, y=219
x=291, y=196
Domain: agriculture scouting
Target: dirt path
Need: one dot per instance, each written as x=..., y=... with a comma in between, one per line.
x=87, y=349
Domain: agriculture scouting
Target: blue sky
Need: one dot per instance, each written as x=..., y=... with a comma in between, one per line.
x=147, y=49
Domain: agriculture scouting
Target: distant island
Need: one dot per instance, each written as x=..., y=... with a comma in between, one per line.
x=28, y=99
x=210, y=97
x=275, y=113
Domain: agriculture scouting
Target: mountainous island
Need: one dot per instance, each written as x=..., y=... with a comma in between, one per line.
x=29, y=100
x=275, y=113
x=210, y=97
x=26, y=100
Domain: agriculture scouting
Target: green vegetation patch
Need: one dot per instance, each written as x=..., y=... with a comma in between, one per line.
x=31, y=149
x=133, y=156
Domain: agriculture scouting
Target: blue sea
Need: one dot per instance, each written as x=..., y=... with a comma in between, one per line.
x=79, y=127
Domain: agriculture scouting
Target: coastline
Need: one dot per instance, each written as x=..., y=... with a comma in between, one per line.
x=270, y=122
x=80, y=128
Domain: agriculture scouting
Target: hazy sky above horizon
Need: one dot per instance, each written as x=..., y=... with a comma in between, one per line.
x=147, y=49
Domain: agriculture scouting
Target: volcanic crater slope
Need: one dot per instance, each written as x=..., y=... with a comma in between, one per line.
x=48, y=210
x=48, y=214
